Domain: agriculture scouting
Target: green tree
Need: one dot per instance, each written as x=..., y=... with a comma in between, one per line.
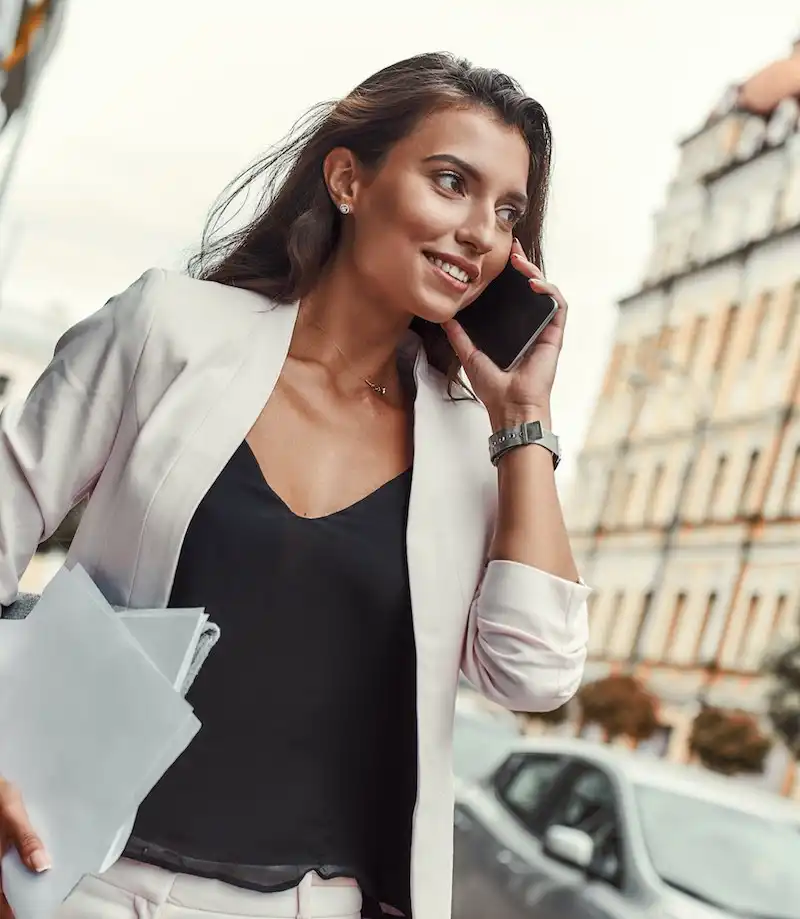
x=621, y=706
x=784, y=700
x=730, y=742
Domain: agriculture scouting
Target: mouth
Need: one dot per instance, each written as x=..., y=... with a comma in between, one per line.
x=459, y=274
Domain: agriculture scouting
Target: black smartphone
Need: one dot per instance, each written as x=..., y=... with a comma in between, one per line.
x=507, y=318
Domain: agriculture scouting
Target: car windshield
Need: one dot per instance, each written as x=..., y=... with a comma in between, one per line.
x=745, y=863
x=479, y=743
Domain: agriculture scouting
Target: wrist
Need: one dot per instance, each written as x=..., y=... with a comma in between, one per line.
x=510, y=416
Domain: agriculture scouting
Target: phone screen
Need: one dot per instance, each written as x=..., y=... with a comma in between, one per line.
x=507, y=318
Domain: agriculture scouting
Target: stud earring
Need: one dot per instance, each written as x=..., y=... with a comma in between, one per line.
x=344, y=208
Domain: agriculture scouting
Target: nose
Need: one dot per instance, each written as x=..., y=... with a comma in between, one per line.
x=477, y=232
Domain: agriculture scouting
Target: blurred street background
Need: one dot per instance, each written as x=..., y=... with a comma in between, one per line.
x=674, y=232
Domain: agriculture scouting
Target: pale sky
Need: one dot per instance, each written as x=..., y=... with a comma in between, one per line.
x=148, y=108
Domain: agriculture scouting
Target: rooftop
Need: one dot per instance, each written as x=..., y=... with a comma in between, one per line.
x=764, y=91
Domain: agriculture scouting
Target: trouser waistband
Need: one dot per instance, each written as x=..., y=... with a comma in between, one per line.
x=312, y=898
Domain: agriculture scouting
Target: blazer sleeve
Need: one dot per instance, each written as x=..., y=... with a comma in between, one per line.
x=54, y=445
x=527, y=635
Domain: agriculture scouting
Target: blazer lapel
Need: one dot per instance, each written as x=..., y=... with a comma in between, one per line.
x=234, y=407
x=437, y=491
x=442, y=493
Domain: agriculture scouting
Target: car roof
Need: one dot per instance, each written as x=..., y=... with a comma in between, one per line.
x=692, y=781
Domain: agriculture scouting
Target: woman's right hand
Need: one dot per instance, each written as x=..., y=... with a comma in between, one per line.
x=16, y=832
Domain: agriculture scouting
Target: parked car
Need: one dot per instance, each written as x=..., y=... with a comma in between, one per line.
x=569, y=829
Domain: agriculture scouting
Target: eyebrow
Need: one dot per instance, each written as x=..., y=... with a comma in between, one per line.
x=516, y=197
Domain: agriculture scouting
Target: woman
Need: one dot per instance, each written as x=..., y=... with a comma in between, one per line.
x=284, y=439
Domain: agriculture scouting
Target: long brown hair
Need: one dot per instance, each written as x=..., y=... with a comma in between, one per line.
x=281, y=252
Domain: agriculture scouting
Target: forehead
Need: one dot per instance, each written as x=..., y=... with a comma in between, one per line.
x=496, y=150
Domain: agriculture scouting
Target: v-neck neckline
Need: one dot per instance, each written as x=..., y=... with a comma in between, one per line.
x=358, y=503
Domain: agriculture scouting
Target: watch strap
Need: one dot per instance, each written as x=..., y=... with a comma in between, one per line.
x=522, y=435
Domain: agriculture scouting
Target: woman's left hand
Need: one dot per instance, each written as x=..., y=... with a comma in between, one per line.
x=522, y=394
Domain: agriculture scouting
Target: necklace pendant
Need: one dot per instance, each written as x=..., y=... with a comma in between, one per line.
x=379, y=390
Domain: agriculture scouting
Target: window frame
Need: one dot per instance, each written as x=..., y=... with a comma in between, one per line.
x=790, y=318
x=534, y=821
x=577, y=768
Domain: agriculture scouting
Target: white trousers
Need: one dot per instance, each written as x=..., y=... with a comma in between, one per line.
x=132, y=890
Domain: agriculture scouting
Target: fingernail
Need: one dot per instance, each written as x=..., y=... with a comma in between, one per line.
x=40, y=861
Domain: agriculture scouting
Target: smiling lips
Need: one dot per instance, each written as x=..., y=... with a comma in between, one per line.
x=455, y=274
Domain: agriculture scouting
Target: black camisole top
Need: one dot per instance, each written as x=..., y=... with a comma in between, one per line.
x=307, y=757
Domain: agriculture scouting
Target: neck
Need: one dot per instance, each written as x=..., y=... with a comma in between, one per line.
x=358, y=338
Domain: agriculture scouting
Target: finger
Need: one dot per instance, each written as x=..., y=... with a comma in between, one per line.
x=544, y=287
x=20, y=833
x=471, y=358
x=518, y=249
x=524, y=266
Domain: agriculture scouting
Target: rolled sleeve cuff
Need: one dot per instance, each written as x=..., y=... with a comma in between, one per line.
x=521, y=591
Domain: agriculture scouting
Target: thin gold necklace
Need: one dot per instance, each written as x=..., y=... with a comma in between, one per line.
x=375, y=387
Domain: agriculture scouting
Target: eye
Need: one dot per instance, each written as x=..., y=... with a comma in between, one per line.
x=451, y=181
x=509, y=214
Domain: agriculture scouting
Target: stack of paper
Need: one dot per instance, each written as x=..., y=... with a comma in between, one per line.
x=91, y=717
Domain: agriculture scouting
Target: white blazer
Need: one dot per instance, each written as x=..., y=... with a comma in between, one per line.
x=143, y=404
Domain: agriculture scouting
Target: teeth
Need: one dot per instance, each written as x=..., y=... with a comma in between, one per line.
x=458, y=273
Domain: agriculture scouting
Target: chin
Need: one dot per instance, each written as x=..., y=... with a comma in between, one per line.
x=436, y=309
x=435, y=316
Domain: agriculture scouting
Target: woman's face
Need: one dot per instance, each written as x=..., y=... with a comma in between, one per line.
x=433, y=226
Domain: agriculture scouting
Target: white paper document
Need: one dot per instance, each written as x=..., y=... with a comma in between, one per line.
x=90, y=719
x=169, y=638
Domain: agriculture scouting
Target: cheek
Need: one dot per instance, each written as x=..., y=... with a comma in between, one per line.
x=393, y=230
x=427, y=217
x=411, y=214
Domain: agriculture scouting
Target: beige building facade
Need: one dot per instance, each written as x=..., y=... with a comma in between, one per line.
x=685, y=514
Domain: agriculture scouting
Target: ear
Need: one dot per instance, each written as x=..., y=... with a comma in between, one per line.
x=342, y=173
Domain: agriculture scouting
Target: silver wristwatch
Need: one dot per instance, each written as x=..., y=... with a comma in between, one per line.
x=531, y=432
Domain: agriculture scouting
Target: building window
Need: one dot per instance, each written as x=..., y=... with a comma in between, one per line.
x=5, y=383
x=791, y=481
x=716, y=485
x=746, y=633
x=613, y=369
x=664, y=342
x=790, y=321
x=613, y=621
x=655, y=489
x=641, y=625
x=595, y=607
x=698, y=332
x=675, y=623
x=757, y=333
x=708, y=638
x=747, y=485
x=684, y=486
x=623, y=497
x=777, y=618
x=646, y=352
x=727, y=336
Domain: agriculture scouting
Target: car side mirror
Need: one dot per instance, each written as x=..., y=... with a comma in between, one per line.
x=574, y=847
